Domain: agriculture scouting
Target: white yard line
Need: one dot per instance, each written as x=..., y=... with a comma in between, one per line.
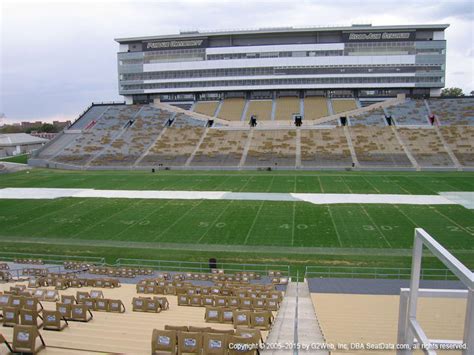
x=376, y=226
x=334, y=225
x=253, y=222
x=314, y=198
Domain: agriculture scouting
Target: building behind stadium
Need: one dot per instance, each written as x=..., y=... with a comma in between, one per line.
x=358, y=61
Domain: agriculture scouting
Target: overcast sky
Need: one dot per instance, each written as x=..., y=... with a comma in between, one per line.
x=59, y=56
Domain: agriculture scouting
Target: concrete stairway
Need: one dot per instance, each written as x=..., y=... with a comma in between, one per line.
x=351, y=146
x=296, y=323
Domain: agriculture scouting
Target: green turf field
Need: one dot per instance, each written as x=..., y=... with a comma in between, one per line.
x=248, y=231
x=20, y=159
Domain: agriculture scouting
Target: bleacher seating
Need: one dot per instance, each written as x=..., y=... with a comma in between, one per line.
x=261, y=108
x=460, y=139
x=453, y=111
x=92, y=114
x=206, y=107
x=324, y=148
x=411, y=112
x=92, y=141
x=426, y=147
x=232, y=109
x=343, y=105
x=182, y=120
x=221, y=148
x=315, y=107
x=270, y=148
x=135, y=139
x=377, y=146
x=286, y=107
x=374, y=117
x=174, y=147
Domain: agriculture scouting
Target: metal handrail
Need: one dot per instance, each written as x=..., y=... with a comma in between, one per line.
x=174, y=265
x=51, y=258
x=375, y=273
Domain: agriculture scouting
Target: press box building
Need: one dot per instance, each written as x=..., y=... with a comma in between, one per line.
x=359, y=61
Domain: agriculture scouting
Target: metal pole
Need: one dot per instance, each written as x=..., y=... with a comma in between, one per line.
x=468, y=337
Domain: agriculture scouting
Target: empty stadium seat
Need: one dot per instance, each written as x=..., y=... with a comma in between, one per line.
x=286, y=107
x=315, y=107
x=261, y=108
x=232, y=109
x=324, y=148
x=343, y=105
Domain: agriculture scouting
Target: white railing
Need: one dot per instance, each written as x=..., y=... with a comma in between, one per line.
x=410, y=332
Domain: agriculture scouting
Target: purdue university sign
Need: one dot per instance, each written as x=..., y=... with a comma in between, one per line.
x=378, y=36
x=174, y=44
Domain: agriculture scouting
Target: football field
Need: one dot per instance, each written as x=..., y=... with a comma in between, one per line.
x=251, y=231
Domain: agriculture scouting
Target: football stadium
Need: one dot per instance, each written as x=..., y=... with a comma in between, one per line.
x=289, y=190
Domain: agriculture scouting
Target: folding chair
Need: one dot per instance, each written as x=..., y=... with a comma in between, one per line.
x=163, y=301
x=183, y=300
x=25, y=338
x=96, y=294
x=16, y=301
x=64, y=309
x=90, y=303
x=4, y=300
x=246, y=303
x=81, y=295
x=68, y=299
x=101, y=305
x=52, y=320
x=116, y=306
x=271, y=304
x=220, y=301
x=51, y=296
x=32, y=304
x=241, y=318
x=213, y=314
x=39, y=294
x=81, y=313
x=31, y=317
x=233, y=301
x=207, y=300
x=141, y=288
x=194, y=329
x=261, y=320
x=189, y=343
x=214, y=344
x=170, y=290
x=152, y=305
x=11, y=316
x=227, y=315
x=254, y=334
x=195, y=301
x=138, y=304
x=163, y=341
x=259, y=303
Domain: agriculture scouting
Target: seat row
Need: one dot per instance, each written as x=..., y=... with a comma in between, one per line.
x=240, y=318
x=63, y=283
x=77, y=265
x=205, y=341
x=127, y=272
x=248, y=303
x=28, y=261
x=148, y=304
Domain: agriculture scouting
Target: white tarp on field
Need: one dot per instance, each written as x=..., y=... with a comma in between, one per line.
x=51, y=193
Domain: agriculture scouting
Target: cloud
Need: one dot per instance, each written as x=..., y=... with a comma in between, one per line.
x=57, y=57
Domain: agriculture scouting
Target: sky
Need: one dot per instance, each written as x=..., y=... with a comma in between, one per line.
x=57, y=57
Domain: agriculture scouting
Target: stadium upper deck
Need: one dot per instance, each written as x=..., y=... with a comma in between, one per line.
x=359, y=60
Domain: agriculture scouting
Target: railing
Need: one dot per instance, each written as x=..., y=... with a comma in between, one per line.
x=375, y=273
x=51, y=259
x=191, y=266
x=95, y=104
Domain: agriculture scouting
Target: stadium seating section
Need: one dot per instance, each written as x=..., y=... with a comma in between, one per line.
x=325, y=148
x=232, y=109
x=377, y=146
x=221, y=148
x=261, y=108
x=453, y=111
x=272, y=148
x=286, y=107
x=411, y=112
x=426, y=147
x=315, y=107
x=148, y=136
x=206, y=107
x=374, y=117
x=343, y=105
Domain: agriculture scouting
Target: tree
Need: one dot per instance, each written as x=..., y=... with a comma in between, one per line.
x=452, y=92
x=471, y=93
